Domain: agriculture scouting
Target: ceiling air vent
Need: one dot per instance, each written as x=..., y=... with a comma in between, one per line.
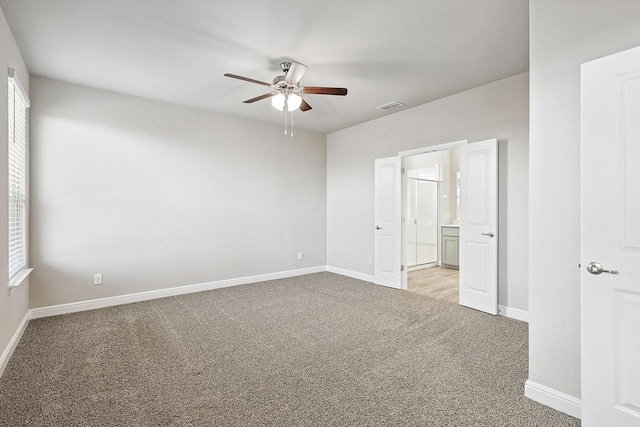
x=390, y=106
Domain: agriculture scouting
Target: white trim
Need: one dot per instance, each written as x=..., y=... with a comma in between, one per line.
x=423, y=266
x=16, y=82
x=350, y=273
x=439, y=147
x=513, y=313
x=18, y=278
x=74, y=307
x=13, y=343
x=553, y=398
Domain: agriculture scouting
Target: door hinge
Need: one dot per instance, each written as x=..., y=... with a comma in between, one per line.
x=401, y=170
x=402, y=268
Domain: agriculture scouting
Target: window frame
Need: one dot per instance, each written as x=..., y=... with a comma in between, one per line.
x=21, y=171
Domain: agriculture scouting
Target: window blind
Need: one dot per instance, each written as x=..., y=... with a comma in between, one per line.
x=17, y=176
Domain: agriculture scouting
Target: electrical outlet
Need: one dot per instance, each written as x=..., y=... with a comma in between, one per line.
x=97, y=279
x=370, y=260
x=300, y=256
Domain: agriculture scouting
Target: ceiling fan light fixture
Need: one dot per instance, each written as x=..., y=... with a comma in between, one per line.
x=293, y=102
x=286, y=91
x=277, y=101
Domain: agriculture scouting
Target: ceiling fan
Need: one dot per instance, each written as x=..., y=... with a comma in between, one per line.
x=287, y=93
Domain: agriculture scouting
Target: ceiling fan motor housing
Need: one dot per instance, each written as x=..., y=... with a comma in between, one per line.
x=285, y=67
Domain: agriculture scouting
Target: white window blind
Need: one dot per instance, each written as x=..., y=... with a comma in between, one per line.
x=17, y=170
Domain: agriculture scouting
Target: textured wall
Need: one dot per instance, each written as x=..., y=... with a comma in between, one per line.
x=497, y=110
x=154, y=195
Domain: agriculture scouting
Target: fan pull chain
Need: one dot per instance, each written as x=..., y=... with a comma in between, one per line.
x=291, y=133
x=286, y=107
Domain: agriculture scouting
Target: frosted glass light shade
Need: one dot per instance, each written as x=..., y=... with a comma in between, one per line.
x=277, y=101
x=293, y=102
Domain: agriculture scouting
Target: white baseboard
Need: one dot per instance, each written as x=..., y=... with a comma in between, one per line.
x=349, y=273
x=15, y=339
x=553, y=398
x=74, y=307
x=513, y=313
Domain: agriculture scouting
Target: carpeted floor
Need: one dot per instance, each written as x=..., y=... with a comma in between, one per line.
x=320, y=349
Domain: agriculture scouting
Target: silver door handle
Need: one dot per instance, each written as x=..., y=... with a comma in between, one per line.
x=378, y=227
x=596, y=268
x=490, y=234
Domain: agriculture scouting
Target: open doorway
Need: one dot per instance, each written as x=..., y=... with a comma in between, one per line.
x=432, y=209
x=474, y=240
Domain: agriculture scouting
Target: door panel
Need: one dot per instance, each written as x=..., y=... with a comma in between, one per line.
x=388, y=221
x=450, y=251
x=479, y=226
x=627, y=352
x=386, y=251
x=610, y=235
x=477, y=186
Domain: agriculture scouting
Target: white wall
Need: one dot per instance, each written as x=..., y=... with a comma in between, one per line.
x=497, y=110
x=154, y=195
x=563, y=34
x=14, y=307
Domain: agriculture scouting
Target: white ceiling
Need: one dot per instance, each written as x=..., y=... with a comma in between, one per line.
x=412, y=51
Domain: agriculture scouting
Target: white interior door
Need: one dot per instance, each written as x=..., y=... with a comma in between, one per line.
x=610, y=237
x=388, y=222
x=479, y=226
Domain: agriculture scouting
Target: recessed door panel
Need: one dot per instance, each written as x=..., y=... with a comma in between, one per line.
x=628, y=157
x=627, y=360
x=386, y=253
x=476, y=267
x=387, y=182
x=476, y=192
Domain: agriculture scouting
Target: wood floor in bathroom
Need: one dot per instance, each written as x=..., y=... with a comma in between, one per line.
x=435, y=282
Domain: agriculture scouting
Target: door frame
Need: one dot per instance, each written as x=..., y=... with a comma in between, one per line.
x=407, y=153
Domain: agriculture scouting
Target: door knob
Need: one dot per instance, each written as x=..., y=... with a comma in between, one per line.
x=490, y=234
x=596, y=268
x=378, y=227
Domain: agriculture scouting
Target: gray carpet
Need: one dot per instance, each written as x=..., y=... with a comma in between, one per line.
x=320, y=349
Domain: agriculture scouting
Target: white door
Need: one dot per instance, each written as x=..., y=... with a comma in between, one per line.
x=388, y=222
x=610, y=237
x=479, y=226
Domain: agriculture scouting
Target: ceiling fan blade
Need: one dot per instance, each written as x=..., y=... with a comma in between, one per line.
x=315, y=90
x=304, y=106
x=295, y=73
x=246, y=79
x=259, y=98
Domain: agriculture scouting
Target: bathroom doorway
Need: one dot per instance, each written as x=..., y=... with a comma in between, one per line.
x=432, y=209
